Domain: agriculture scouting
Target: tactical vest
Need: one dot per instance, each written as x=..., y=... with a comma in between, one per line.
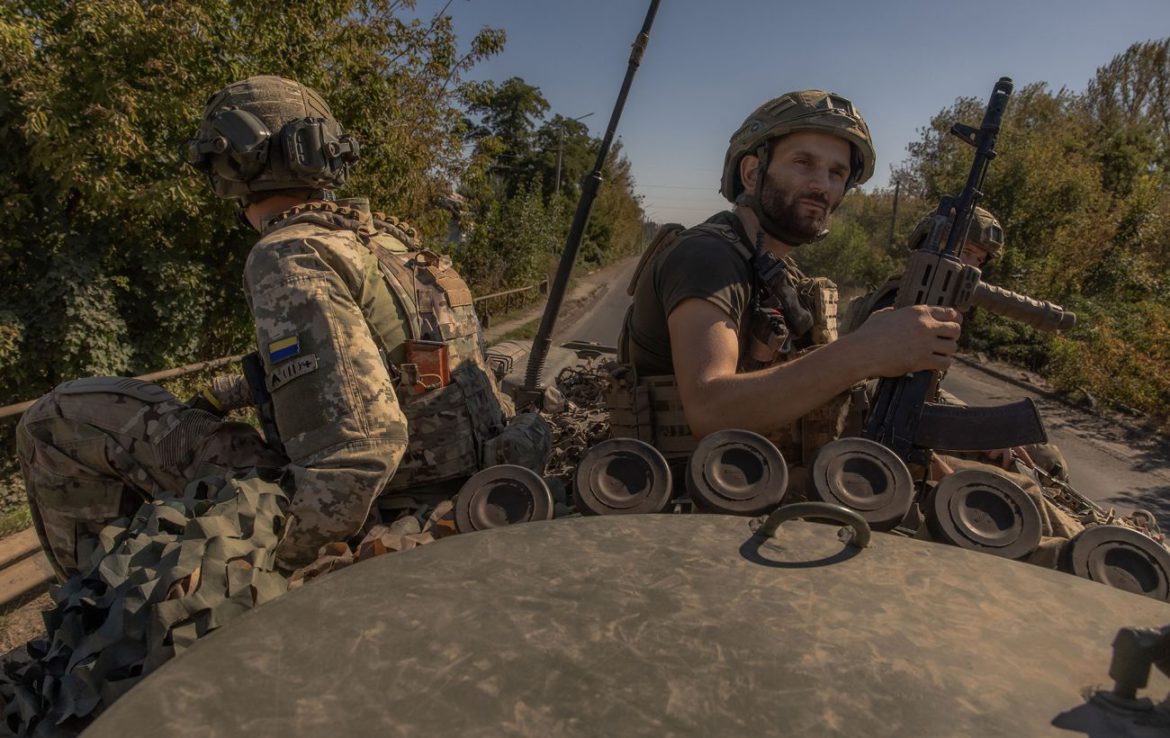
x=650, y=408
x=431, y=314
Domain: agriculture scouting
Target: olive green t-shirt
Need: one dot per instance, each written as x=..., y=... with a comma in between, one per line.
x=698, y=265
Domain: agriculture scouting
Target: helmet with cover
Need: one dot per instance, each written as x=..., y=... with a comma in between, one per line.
x=806, y=110
x=267, y=134
x=984, y=232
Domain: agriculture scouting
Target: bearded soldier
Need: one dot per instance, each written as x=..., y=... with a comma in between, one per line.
x=726, y=332
x=371, y=358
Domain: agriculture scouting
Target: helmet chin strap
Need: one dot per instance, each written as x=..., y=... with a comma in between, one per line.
x=769, y=224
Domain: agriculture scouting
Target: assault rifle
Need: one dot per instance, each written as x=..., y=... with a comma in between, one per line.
x=902, y=418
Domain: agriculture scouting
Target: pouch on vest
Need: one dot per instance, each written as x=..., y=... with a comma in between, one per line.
x=431, y=361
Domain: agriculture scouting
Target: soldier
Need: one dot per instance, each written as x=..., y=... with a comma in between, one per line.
x=723, y=312
x=983, y=244
x=371, y=354
x=725, y=332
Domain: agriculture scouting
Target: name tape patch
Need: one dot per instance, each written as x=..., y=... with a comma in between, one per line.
x=289, y=371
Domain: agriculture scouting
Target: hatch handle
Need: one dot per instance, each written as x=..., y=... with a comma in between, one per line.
x=824, y=510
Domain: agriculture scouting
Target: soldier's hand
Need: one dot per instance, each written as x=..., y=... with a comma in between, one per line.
x=1006, y=457
x=894, y=342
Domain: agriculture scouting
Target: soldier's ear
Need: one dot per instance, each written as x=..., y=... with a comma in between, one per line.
x=749, y=169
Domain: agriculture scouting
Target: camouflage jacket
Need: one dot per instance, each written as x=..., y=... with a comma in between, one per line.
x=333, y=325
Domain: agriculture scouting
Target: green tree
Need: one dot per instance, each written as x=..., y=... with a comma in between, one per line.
x=570, y=140
x=512, y=180
x=508, y=114
x=118, y=259
x=1081, y=188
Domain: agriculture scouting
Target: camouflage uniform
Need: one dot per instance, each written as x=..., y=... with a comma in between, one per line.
x=332, y=323
x=340, y=301
x=337, y=304
x=93, y=450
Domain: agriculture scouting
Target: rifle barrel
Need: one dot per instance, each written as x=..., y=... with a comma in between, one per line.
x=1039, y=314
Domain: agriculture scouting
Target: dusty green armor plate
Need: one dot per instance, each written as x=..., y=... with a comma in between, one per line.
x=652, y=625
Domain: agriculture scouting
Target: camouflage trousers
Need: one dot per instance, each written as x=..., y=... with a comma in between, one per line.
x=93, y=450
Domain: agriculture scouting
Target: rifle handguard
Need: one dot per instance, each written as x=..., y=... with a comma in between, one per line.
x=1039, y=314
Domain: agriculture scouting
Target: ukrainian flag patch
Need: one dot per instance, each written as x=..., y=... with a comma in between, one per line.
x=284, y=348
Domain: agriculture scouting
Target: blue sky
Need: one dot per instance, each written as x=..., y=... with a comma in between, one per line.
x=710, y=63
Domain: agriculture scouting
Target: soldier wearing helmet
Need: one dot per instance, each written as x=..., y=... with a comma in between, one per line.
x=723, y=315
x=369, y=354
x=983, y=244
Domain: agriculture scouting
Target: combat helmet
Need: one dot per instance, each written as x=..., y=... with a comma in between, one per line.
x=984, y=232
x=805, y=110
x=267, y=133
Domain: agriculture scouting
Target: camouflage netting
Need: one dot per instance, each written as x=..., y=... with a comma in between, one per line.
x=578, y=418
x=179, y=569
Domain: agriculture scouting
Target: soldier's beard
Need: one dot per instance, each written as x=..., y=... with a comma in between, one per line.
x=784, y=207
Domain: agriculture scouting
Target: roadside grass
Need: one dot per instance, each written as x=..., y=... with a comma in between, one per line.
x=524, y=332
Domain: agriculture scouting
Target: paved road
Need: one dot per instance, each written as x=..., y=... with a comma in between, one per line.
x=1110, y=462
x=602, y=321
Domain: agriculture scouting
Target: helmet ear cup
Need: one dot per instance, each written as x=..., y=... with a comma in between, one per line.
x=240, y=150
x=304, y=148
x=312, y=152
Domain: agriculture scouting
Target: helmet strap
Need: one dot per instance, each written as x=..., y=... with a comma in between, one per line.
x=755, y=201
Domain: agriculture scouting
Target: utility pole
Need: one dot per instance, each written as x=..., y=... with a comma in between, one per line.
x=894, y=217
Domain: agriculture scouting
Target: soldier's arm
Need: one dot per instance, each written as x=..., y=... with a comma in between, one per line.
x=705, y=352
x=332, y=395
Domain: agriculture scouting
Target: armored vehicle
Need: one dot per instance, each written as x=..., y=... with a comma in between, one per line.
x=797, y=622
x=669, y=625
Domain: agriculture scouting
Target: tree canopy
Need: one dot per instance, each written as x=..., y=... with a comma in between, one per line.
x=118, y=259
x=518, y=210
